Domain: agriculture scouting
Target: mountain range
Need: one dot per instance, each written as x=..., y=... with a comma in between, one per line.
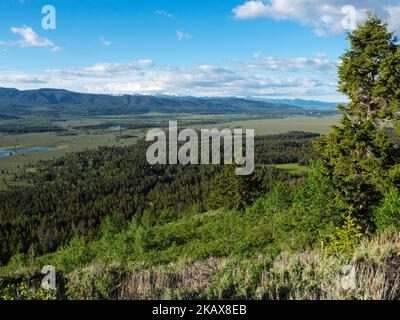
x=59, y=102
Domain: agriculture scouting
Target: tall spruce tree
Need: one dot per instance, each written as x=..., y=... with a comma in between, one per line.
x=361, y=158
x=230, y=191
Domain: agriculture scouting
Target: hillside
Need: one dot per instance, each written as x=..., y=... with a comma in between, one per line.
x=57, y=102
x=71, y=195
x=256, y=254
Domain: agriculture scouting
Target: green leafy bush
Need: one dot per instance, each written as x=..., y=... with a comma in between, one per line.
x=387, y=215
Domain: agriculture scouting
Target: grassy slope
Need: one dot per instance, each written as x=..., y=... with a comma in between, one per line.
x=219, y=255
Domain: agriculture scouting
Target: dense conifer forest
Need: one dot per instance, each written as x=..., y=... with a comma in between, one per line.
x=72, y=195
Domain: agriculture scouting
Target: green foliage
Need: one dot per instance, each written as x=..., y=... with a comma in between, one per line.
x=16, y=263
x=115, y=244
x=274, y=208
x=214, y=234
x=314, y=204
x=118, y=227
x=359, y=155
x=345, y=238
x=305, y=275
x=72, y=196
x=369, y=70
x=229, y=191
x=24, y=291
x=387, y=215
x=74, y=255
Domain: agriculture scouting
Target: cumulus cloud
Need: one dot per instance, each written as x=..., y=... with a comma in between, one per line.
x=29, y=38
x=318, y=63
x=201, y=80
x=326, y=17
x=251, y=10
x=142, y=77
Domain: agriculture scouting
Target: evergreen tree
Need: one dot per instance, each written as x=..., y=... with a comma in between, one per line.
x=230, y=191
x=360, y=156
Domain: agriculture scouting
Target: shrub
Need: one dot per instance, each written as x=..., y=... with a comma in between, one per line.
x=314, y=204
x=74, y=255
x=387, y=215
x=345, y=238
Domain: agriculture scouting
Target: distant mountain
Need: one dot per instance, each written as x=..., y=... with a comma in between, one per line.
x=311, y=104
x=58, y=102
x=7, y=117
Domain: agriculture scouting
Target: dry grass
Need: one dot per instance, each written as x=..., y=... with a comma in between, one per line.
x=319, y=276
x=313, y=275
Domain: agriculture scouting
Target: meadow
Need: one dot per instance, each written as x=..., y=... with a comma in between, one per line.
x=278, y=126
x=293, y=168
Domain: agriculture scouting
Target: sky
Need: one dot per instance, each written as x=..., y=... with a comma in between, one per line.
x=259, y=49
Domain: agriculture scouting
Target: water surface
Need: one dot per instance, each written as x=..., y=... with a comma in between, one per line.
x=6, y=153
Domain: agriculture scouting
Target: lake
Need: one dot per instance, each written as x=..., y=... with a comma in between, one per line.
x=6, y=153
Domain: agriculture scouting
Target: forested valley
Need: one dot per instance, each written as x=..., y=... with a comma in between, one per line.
x=115, y=227
x=72, y=195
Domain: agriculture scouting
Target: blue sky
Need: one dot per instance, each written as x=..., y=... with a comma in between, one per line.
x=276, y=48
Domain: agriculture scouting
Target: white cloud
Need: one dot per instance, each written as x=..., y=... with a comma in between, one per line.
x=100, y=70
x=250, y=10
x=141, y=77
x=105, y=42
x=103, y=71
x=29, y=39
x=394, y=16
x=318, y=63
x=182, y=36
x=18, y=79
x=56, y=49
x=144, y=62
x=326, y=17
